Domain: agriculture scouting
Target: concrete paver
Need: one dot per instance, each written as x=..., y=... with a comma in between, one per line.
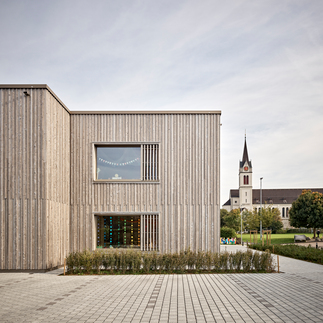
x=291, y=296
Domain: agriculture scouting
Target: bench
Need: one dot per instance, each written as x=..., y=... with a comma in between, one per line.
x=299, y=237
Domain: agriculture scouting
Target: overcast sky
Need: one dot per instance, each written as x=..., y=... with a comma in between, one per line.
x=259, y=62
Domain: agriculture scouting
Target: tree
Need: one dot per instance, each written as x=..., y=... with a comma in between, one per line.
x=251, y=219
x=228, y=232
x=223, y=214
x=270, y=217
x=233, y=219
x=307, y=210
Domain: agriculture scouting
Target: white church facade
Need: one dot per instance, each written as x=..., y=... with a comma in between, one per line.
x=248, y=198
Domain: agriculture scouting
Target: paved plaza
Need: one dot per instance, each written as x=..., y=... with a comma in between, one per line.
x=292, y=296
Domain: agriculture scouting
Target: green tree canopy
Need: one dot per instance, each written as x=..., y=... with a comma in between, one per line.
x=251, y=220
x=223, y=214
x=307, y=210
x=270, y=219
x=232, y=219
x=228, y=232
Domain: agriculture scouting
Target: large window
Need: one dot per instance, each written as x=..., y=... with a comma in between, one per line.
x=118, y=163
x=127, y=162
x=128, y=231
x=119, y=231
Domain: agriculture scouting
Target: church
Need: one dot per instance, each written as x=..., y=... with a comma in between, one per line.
x=248, y=198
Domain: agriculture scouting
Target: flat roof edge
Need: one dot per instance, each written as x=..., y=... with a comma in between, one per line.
x=146, y=112
x=35, y=86
x=24, y=86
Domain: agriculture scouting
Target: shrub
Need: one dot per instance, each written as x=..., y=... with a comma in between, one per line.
x=147, y=260
x=108, y=261
x=208, y=264
x=72, y=263
x=237, y=260
x=224, y=259
x=246, y=261
x=228, y=232
x=216, y=262
x=87, y=261
x=299, y=230
x=122, y=261
x=190, y=259
x=267, y=262
x=200, y=260
x=97, y=259
x=281, y=231
x=256, y=261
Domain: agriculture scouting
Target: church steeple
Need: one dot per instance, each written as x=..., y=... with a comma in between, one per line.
x=245, y=179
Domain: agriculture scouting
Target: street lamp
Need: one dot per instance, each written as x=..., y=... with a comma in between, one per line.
x=261, y=208
x=241, y=225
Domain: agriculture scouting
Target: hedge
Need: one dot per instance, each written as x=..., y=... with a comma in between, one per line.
x=294, y=251
x=137, y=262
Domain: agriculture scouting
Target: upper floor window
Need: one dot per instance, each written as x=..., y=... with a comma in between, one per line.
x=246, y=179
x=127, y=162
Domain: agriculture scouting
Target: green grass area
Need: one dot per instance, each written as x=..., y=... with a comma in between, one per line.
x=276, y=238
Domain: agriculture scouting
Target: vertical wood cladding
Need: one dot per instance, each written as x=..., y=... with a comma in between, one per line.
x=34, y=179
x=48, y=194
x=187, y=196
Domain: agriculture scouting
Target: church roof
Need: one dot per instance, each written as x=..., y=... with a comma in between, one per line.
x=228, y=202
x=234, y=193
x=274, y=196
x=279, y=196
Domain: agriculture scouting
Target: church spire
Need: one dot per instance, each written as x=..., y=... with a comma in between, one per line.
x=245, y=157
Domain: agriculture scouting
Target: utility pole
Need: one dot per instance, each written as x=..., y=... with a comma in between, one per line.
x=261, y=178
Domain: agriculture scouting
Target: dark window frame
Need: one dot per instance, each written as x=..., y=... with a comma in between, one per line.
x=150, y=162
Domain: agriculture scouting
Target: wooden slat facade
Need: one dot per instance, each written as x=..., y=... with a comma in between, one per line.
x=34, y=179
x=50, y=199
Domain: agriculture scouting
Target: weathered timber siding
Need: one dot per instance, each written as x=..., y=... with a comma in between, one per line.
x=49, y=198
x=31, y=212
x=187, y=196
x=57, y=181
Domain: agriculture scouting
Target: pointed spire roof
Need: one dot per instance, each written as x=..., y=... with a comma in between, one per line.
x=245, y=156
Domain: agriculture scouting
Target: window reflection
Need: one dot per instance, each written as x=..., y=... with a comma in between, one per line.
x=117, y=163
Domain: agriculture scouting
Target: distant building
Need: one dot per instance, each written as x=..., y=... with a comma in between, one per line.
x=248, y=198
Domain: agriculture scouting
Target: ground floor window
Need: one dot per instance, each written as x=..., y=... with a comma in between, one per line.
x=119, y=231
x=125, y=231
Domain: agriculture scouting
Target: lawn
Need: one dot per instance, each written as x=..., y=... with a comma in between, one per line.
x=275, y=238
